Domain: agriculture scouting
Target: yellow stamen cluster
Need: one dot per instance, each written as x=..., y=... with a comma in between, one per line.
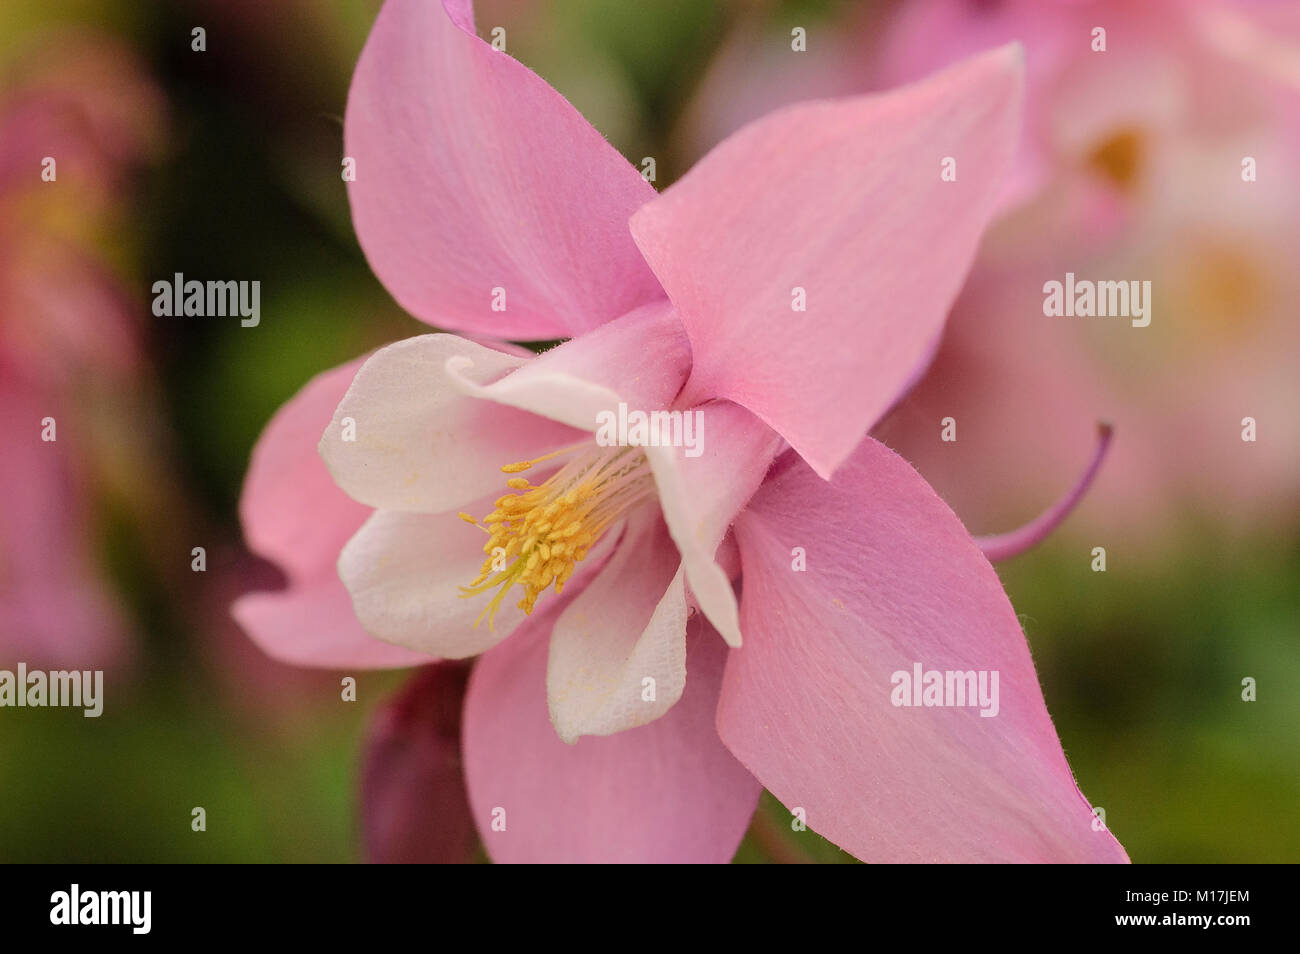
x=538, y=535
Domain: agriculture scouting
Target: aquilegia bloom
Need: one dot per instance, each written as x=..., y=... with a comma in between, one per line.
x=1140, y=162
x=487, y=204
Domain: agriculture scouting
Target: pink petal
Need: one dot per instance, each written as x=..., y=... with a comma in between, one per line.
x=420, y=444
x=701, y=496
x=473, y=174
x=627, y=625
x=927, y=35
x=294, y=515
x=414, y=809
x=405, y=570
x=843, y=199
x=641, y=359
x=287, y=490
x=311, y=623
x=664, y=792
x=892, y=579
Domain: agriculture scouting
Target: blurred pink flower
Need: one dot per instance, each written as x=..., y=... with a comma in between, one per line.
x=1119, y=95
x=54, y=609
x=475, y=179
x=65, y=330
x=86, y=101
x=1133, y=162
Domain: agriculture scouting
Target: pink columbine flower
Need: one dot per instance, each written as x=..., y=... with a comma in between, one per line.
x=626, y=705
x=1146, y=127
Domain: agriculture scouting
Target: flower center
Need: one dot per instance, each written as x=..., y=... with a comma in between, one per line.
x=1225, y=293
x=1119, y=157
x=539, y=534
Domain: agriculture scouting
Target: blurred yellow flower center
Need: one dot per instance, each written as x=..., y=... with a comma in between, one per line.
x=1119, y=158
x=538, y=535
x=1226, y=289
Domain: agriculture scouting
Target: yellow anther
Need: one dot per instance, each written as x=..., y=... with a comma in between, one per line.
x=539, y=534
